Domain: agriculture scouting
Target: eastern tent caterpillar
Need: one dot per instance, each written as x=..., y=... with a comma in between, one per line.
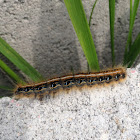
x=41, y=89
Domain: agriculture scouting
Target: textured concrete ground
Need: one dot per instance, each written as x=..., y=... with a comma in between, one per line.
x=107, y=113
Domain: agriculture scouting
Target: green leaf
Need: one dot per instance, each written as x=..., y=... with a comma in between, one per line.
x=112, y=21
x=90, y=24
x=92, y=12
x=79, y=21
x=6, y=88
x=133, y=13
x=11, y=73
x=134, y=51
x=18, y=61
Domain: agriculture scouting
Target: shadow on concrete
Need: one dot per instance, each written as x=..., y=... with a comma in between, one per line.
x=55, y=50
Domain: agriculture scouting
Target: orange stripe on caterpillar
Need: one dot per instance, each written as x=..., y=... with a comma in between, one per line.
x=89, y=79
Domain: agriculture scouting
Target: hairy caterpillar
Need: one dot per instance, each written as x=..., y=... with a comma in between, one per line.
x=39, y=90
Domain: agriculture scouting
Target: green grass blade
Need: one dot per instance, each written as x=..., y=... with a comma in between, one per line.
x=131, y=12
x=112, y=21
x=92, y=12
x=6, y=88
x=89, y=23
x=133, y=15
x=132, y=20
x=79, y=21
x=134, y=51
x=11, y=73
x=18, y=61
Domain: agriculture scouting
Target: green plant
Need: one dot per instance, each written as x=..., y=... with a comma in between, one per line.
x=112, y=21
x=81, y=26
x=79, y=21
x=132, y=50
x=18, y=61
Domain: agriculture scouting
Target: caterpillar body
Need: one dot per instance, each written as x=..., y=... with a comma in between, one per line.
x=39, y=90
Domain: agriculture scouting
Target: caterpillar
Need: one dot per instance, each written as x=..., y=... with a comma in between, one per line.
x=39, y=90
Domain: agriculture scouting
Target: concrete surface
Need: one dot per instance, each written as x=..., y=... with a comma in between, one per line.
x=107, y=113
